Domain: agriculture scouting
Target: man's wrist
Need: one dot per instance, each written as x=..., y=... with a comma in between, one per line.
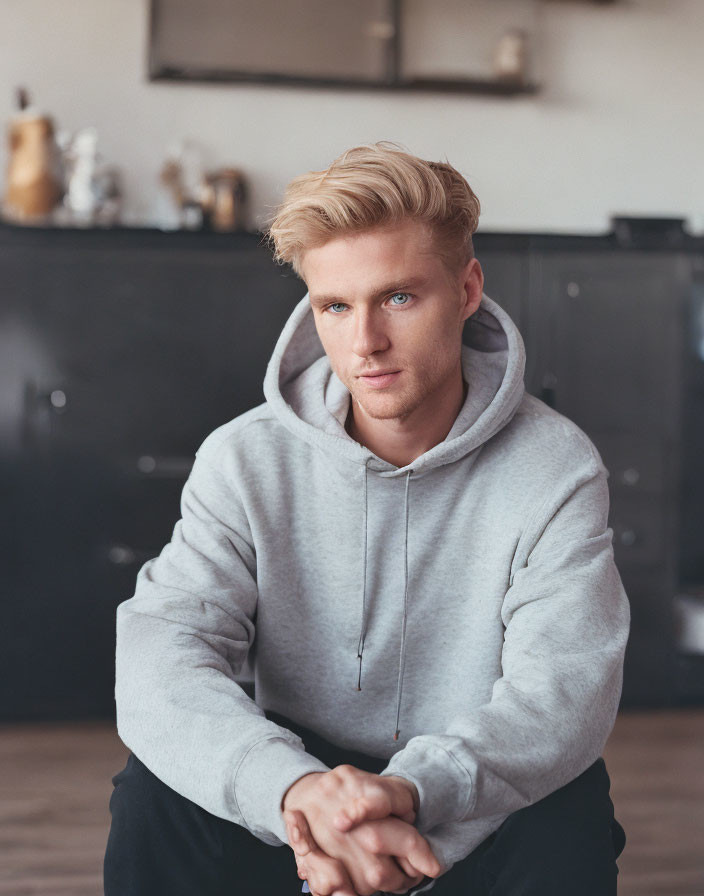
x=412, y=789
x=290, y=798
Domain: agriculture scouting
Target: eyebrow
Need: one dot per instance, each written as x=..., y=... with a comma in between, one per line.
x=388, y=289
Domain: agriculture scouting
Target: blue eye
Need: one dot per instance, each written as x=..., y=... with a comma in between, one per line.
x=400, y=295
x=336, y=305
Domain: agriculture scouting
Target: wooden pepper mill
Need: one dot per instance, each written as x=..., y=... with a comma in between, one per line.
x=33, y=179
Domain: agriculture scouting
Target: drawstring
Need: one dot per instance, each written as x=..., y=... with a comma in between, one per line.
x=363, y=632
x=402, y=655
x=360, y=646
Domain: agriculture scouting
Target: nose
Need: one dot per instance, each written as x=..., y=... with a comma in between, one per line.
x=369, y=333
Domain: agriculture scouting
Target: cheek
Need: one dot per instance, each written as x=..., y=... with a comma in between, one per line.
x=334, y=347
x=325, y=336
x=436, y=351
x=429, y=338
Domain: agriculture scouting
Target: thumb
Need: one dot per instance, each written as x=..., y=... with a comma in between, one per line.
x=422, y=857
x=299, y=835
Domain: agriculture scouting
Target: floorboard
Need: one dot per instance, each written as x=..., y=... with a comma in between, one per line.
x=55, y=786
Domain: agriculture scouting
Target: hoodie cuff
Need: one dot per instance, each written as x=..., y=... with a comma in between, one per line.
x=262, y=778
x=445, y=787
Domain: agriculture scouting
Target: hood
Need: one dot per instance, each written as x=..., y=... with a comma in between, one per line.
x=309, y=399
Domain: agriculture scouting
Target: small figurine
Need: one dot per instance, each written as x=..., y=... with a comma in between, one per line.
x=82, y=163
x=93, y=190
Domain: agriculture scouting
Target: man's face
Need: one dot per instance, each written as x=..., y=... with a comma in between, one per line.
x=389, y=315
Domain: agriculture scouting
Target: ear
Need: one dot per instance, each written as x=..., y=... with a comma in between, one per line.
x=472, y=284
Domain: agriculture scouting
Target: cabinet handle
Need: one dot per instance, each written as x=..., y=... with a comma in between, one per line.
x=57, y=399
x=124, y=555
x=164, y=467
x=630, y=476
x=628, y=538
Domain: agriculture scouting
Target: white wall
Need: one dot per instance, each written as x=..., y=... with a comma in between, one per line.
x=619, y=127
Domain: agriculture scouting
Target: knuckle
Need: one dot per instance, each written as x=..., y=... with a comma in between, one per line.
x=346, y=773
x=373, y=840
x=376, y=876
x=328, y=784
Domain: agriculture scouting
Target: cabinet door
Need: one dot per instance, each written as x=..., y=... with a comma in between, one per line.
x=121, y=363
x=609, y=328
x=144, y=351
x=57, y=641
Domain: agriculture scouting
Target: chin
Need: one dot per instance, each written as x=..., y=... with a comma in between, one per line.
x=387, y=407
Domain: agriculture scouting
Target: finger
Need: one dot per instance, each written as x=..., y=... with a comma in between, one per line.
x=326, y=876
x=412, y=876
x=298, y=831
x=403, y=797
x=422, y=857
x=323, y=874
x=362, y=809
x=409, y=817
x=393, y=878
x=413, y=883
x=372, y=807
x=408, y=868
x=293, y=832
x=392, y=837
x=383, y=796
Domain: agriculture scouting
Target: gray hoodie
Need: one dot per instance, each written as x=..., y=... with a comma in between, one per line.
x=461, y=616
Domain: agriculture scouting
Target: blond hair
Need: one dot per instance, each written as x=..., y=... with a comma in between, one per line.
x=370, y=186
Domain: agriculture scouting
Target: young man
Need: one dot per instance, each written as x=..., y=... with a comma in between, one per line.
x=414, y=553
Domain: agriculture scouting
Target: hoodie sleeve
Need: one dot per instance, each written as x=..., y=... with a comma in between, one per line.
x=181, y=639
x=566, y=621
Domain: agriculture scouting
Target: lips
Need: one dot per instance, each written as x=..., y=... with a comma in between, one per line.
x=379, y=379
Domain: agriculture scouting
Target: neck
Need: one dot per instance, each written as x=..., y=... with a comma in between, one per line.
x=401, y=440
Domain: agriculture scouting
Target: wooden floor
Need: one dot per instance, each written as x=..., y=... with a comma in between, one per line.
x=55, y=786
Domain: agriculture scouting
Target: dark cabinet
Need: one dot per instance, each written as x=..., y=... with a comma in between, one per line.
x=121, y=350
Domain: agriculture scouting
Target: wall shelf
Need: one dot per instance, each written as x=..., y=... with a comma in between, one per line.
x=482, y=86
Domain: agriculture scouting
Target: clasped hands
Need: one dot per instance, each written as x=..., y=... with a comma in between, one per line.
x=352, y=833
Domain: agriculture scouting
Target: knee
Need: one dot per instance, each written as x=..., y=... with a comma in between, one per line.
x=138, y=795
x=579, y=813
x=159, y=840
x=135, y=778
x=147, y=813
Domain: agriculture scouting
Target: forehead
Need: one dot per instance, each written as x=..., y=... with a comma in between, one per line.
x=361, y=259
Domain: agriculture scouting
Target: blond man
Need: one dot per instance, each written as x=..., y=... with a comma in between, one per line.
x=414, y=554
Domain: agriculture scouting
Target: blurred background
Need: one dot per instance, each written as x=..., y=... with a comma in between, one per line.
x=146, y=144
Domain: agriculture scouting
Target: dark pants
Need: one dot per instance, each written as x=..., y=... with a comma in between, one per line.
x=162, y=843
